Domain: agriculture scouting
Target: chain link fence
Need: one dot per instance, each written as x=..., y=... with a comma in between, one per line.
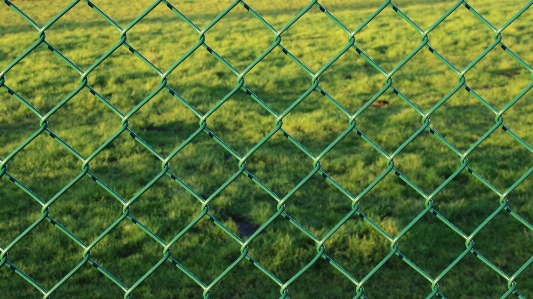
x=47, y=206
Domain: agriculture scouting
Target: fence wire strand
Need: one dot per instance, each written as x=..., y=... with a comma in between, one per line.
x=277, y=126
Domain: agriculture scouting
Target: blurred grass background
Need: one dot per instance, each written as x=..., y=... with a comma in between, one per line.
x=83, y=36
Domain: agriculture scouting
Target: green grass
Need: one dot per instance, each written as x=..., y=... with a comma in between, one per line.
x=44, y=166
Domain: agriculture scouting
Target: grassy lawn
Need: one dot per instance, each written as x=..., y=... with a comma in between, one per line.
x=87, y=209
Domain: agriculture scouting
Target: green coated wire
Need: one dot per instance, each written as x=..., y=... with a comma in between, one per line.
x=314, y=158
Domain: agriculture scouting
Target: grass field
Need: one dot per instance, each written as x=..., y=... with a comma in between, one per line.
x=44, y=166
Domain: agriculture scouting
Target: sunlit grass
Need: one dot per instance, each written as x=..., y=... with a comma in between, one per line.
x=162, y=37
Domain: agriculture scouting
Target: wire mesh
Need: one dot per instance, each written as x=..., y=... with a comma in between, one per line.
x=277, y=126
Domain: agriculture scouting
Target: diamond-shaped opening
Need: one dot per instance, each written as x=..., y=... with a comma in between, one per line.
x=86, y=210
x=121, y=15
x=279, y=12
x=424, y=13
x=279, y=164
x=242, y=207
x=497, y=12
x=204, y=165
x=462, y=120
x=162, y=37
x=425, y=80
x=388, y=39
x=471, y=278
x=17, y=123
x=392, y=204
x=18, y=210
x=17, y=36
x=427, y=162
x=466, y=202
x=278, y=81
x=353, y=163
x=44, y=166
x=501, y=160
x=201, y=13
x=318, y=206
x=315, y=123
x=359, y=156
x=517, y=117
x=402, y=281
x=351, y=81
x=239, y=37
x=314, y=39
x=125, y=166
x=322, y=281
x=461, y=37
x=357, y=247
x=351, y=13
x=512, y=246
x=164, y=123
x=515, y=33
x=389, y=121
x=166, y=208
x=88, y=282
x=202, y=80
x=82, y=35
x=84, y=123
x=283, y=249
x=57, y=255
x=432, y=245
x=203, y=243
x=127, y=252
x=124, y=80
x=41, y=12
x=498, y=78
x=53, y=82
x=241, y=122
